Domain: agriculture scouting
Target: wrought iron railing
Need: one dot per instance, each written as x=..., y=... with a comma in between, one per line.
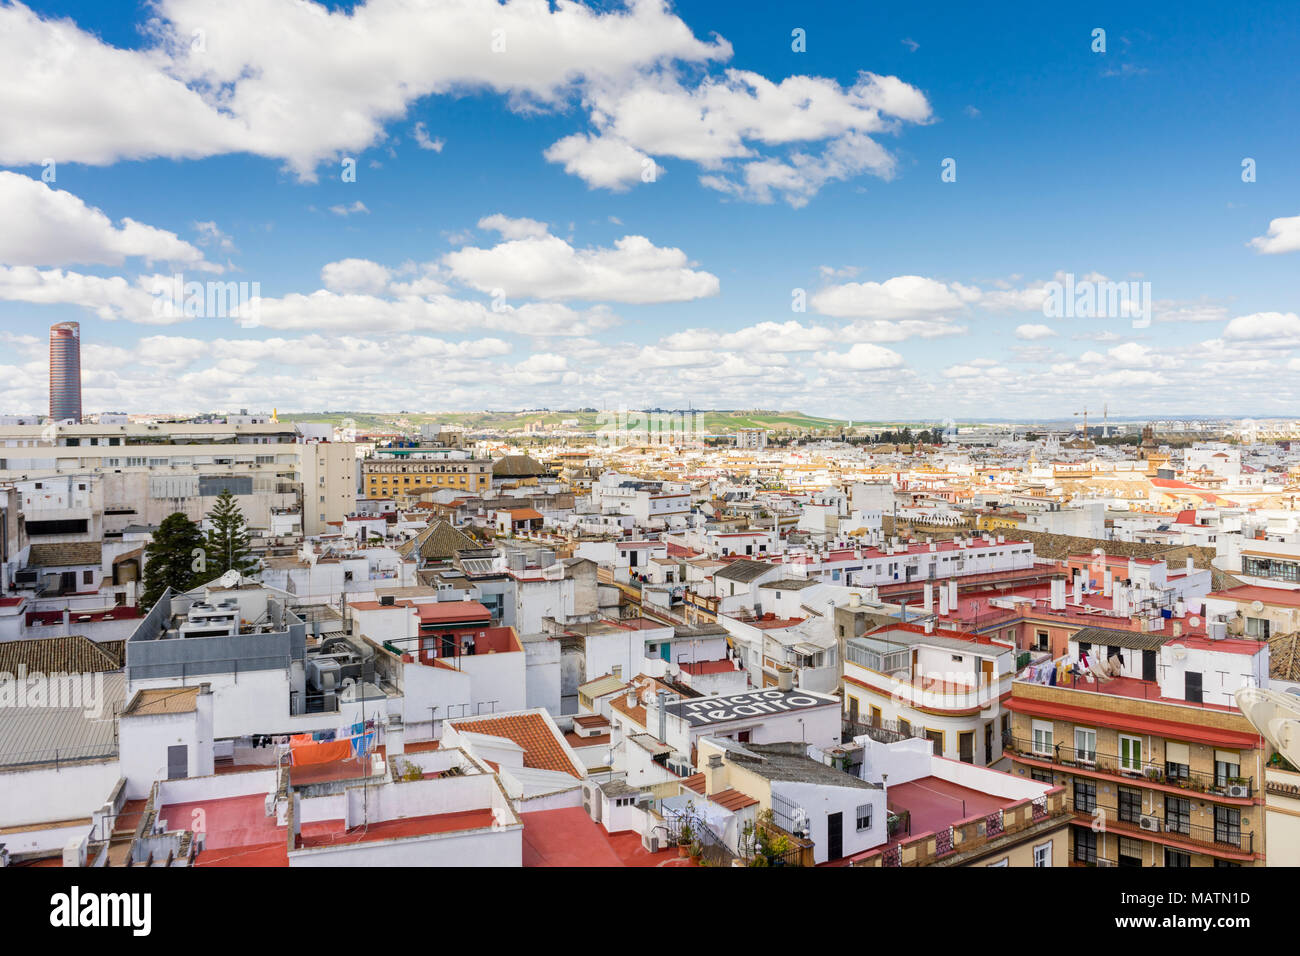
x=1225, y=836
x=1170, y=775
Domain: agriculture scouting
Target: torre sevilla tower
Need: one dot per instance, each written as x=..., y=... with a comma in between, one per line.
x=65, y=372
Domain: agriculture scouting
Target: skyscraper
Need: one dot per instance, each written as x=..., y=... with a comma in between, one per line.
x=65, y=372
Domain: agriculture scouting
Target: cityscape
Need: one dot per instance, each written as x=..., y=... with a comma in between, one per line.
x=483, y=433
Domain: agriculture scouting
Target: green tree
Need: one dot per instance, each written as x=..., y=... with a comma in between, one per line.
x=174, y=558
x=227, y=541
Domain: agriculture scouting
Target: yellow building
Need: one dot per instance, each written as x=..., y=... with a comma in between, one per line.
x=399, y=472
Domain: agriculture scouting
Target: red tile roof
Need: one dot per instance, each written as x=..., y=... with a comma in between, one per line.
x=452, y=612
x=542, y=749
x=695, y=781
x=733, y=799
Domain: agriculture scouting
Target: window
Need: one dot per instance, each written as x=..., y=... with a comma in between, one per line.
x=1085, y=795
x=1042, y=737
x=1227, y=767
x=1085, y=745
x=1001, y=862
x=864, y=817
x=1178, y=815
x=1041, y=776
x=1177, y=760
x=1130, y=753
x=1085, y=846
x=1042, y=641
x=1227, y=825
x=1257, y=627
x=1043, y=855
x=1130, y=805
x=1174, y=858
x=1130, y=852
x=88, y=577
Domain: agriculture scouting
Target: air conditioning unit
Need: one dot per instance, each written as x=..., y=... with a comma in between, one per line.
x=1238, y=790
x=1149, y=823
x=650, y=842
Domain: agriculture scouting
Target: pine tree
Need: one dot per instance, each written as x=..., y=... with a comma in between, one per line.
x=227, y=541
x=174, y=558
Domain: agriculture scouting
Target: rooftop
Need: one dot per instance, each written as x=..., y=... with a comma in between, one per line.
x=569, y=838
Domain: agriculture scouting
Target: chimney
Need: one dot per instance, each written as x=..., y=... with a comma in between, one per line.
x=1107, y=582
x=929, y=597
x=929, y=625
x=952, y=593
x=714, y=774
x=943, y=600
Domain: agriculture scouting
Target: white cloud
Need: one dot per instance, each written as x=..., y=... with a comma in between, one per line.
x=603, y=162
x=351, y=209
x=423, y=140
x=862, y=357
x=514, y=228
x=1283, y=236
x=901, y=297
x=355, y=275
x=44, y=226
x=1264, y=325
x=1032, y=332
x=110, y=298
x=547, y=267
x=308, y=83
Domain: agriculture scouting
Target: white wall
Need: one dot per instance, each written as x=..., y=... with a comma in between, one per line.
x=68, y=793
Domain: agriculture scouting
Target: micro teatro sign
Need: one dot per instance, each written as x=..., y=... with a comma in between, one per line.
x=756, y=704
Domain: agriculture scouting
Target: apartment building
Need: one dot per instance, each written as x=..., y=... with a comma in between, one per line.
x=413, y=471
x=1160, y=766
x=149, y=471
x=946, y=686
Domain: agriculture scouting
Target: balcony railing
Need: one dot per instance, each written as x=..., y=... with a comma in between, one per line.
x=882, y=731
x=1168, y=775
x=1222, y=836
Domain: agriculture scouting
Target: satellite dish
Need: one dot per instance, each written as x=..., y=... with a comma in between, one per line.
x=1179, y=651
x=230, y=579
x=1194, y=621
x=1276, y=716
x=1257, y=606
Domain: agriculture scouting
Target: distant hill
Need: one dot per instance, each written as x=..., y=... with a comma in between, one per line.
x=711, y=421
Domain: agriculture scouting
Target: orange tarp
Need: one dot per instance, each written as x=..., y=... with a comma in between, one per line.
x=324, y=752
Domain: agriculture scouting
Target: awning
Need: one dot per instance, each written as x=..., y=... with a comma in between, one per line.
x=1143, y=725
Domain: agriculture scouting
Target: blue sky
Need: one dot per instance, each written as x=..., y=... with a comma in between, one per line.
x=515, y=176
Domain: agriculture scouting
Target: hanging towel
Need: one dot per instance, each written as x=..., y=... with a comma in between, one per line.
x=362, y=744
x=313, y=753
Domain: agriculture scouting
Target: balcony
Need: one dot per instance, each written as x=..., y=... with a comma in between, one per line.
x=1158, y=776
x=931, y=693
x=1222, y=839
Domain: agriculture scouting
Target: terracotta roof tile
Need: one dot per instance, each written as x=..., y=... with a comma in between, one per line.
x=58, y=655
x=542, y=750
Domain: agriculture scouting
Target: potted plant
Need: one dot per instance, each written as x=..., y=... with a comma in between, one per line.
x=684, y=840
x=697, y=851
